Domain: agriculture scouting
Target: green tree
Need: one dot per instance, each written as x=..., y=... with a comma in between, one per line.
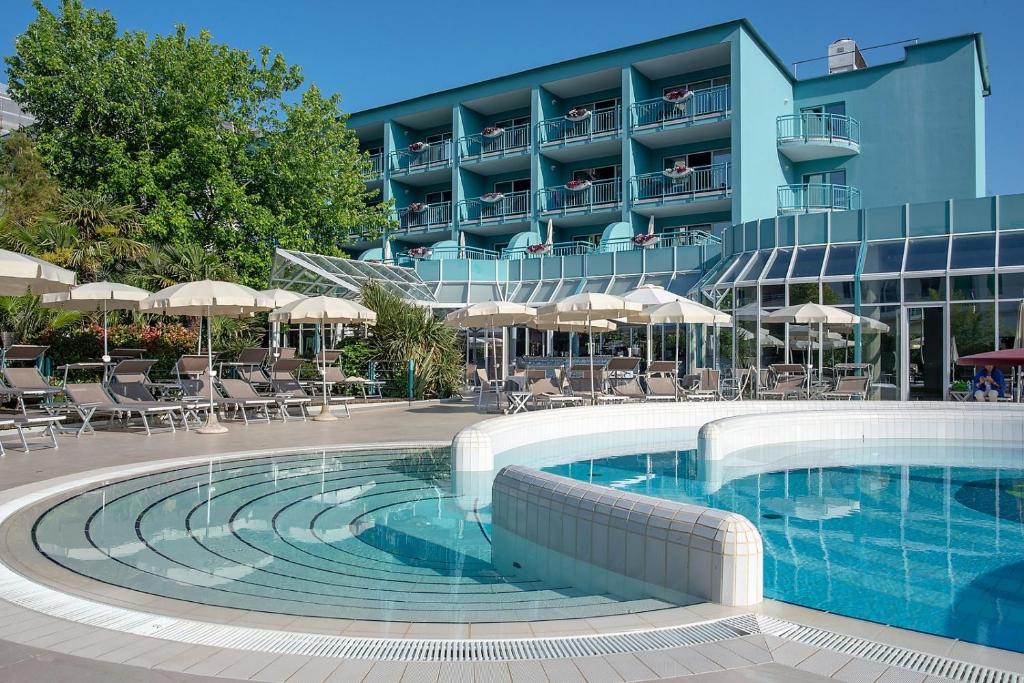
x=194, y=134
x=27, y=190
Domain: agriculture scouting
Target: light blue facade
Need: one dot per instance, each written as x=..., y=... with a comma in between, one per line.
x=907, y=131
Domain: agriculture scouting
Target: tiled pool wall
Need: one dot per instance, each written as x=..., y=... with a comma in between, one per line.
x=600, y=540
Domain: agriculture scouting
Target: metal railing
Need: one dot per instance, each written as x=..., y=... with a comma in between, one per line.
x=429, y=214
x=511, y=204
x=659, y=112
x=813, y=197
x=434, y=155
x=689, y=238
x=561, y=199
x=818, y=128
x=600, y=122
x=514, y=139
x=376, y=165
x=454, y=252
x=556, y=249
x=715, y=178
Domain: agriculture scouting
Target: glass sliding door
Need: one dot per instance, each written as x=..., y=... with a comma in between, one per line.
x=925, y=348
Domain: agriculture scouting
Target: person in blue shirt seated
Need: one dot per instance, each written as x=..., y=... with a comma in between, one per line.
x=988, y=384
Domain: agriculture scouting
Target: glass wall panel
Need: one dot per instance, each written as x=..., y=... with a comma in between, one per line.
x=883, y=352
x=880, y=291
x=808, y=262
x=924, y=288
x=971, y=328
x=1011, y=248
x=966, y=287
x=884, y=257
x=745, y=296
x=1009, y=318
x=973, y=251
x=773, y=296
x=754, y=267
x=773, y=346
x=842, y=259
x=544, y=291
x=927, y=254
x=1011, y=286
x=803, y=293
x=780, y=266
x=837, y=293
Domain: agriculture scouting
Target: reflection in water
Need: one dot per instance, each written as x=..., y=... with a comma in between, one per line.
x=927, y=546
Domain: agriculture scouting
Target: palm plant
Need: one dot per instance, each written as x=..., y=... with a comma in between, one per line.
x=22, y=319
x=406, y=332
x=168, y=265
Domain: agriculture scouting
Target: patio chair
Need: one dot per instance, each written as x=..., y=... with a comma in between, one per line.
x=189, y=371
x=487, y=386
x=240, y=389
x=544, y=391
x=581, y=385
x=22, y=423
x=90, y=399
x=708, y=386
x=849, y=388
x=734, y=388
x=631, y=389
x=26, y=382
x=662, y=384
x=130, y=385
x=237, y=406
x=285, y=382
x=785, y=387
x=336, y=375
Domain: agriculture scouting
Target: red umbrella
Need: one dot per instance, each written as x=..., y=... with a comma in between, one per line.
x=1003, y=357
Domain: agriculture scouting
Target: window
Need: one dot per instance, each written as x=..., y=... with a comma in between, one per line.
x=808, y=262
x=780, y=266
x=438, y=137
x=698, y=85
x=827, y=178
x=598, y=105
x=697, y=159
x=374, y=151
x=842, y=259
x=512, y=122
x=437, y=197
x=594, y=239
x=597, y=173
x=884, y=257
x=1011, y=249
x=973, y=251
x=838, y=108
x=927, y=254
x=510, y=186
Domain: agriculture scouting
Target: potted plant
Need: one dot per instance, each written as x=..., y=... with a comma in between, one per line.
x=578, y=185
x=678, y=97
x=492, y=197
x=418, y=147
x=538, y=248
x=493, y=131
x=646, y=240
x=577, y=114
x=420, y=252
x=417, y=207
x=678, y=170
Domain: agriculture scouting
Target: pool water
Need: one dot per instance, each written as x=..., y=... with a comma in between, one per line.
x=926, y=547
x=370, y=535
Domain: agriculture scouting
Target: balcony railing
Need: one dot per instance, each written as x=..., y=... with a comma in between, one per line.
x=556, y=249
x=454, y=252
x=563, y=200
x=601, y=122
x=428, y=215
x=434, y=155
x=513, y=204
x=658, y=112
x=704, y=180
x=376, y=165
x=814, y=197
x=809, y=127
x=478, y=145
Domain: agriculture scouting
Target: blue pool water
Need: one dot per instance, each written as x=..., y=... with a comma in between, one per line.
x=374, y=536
x=932, y=548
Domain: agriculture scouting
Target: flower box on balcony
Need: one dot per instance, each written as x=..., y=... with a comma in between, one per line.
x=538, y=248
x=678, y=97
x=418, y=147
x=578, y=114
x=646, y=240
x=420, y=252
x=493, y=132
x=578, y=185
x=417, y=207
x=678, y=171
x=492, y=197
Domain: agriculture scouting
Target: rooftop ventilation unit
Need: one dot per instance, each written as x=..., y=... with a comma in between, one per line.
x=844, y=55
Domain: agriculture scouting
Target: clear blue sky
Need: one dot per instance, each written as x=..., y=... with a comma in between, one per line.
x=378, y=52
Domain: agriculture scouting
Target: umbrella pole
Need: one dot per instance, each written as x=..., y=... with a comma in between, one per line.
x=675, y=372
x=590, y=351
x=213, y=425
x=106, y=354
x=325, y=410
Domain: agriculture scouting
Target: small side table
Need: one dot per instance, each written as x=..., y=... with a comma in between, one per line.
x=517, y=401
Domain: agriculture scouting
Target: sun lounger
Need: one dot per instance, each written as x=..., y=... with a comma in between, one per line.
x=22, y=424
x=788, y=387
x=238, y=406
x=336, y=375
x=543, y=391
x=26, y=382
x=130, y=385
x=849, y=388
x=91, y=399
x=631, y=389
x=237, y=388
x=708, y=386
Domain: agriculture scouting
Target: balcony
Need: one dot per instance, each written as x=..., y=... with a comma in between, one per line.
x=817, y=197
x=429, y=165
x=602, y=194
x=702, y=115
x=498, y=153
x=594, y=136
x=376, y=166
x=809, y=136
x=556, y=249
x=425, y=217
x=511, y=208
x=705, y=188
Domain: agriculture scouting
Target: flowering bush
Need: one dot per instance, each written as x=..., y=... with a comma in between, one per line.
x=164, y=342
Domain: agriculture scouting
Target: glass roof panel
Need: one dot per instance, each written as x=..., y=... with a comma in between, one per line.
x=621, y=285
x=568, y=288
x=682, y=283
x=1011, y=249
x=522, y=295
x=452, y=293
x=927, y=254
x=973, y=251
x=544, y=292
x=335, y=276
x=780, y=266
x=596, y=285
x=479, y=292
x=884, y=257
x=754, y=266
x=842, y=259
x=808, y=262
x=661, y=279
x=729, y=273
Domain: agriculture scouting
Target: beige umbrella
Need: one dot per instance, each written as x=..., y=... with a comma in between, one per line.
x=554, y=324
x=462, y=244
x=811, y=314
x=491, y=314
x=97, y=296
x=590, y=306
x=684, y=311
x=385, y=252
x=207, y=298
x=550, y=240
x=280, y=297
x=324, y=310
x=23, y=274
x=650, y=296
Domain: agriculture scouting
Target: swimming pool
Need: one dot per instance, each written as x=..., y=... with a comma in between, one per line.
x=923, y=546
x=365, y=535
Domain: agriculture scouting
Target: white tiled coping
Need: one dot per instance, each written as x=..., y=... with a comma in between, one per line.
x=606, y=541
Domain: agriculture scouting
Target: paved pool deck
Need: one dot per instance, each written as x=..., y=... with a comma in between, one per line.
x=41, y=647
